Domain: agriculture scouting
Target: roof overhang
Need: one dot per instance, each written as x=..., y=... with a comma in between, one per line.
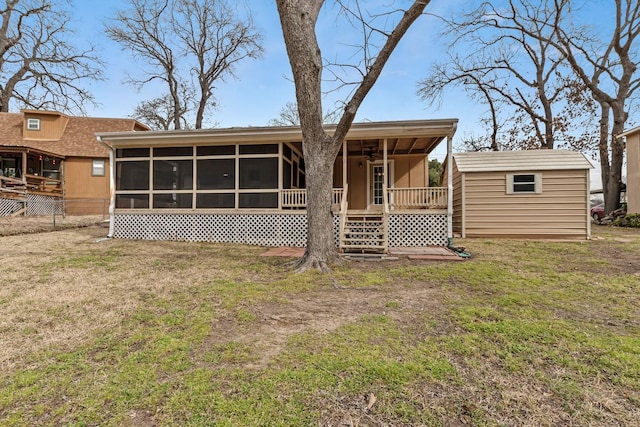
x=29, y=150
x=430, y=132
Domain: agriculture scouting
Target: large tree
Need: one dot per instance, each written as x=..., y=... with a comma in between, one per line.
x=41, y=65
x=298, y=19
x=188, y=45
x=515, y=68
x=608, y=67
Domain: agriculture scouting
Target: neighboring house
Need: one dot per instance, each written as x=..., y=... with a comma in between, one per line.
x=51, y=162
x=247, y=185
x=633, y=170
x=521, y=194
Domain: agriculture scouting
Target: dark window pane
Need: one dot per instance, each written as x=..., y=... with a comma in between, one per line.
x=217, y=150
x=259, y=173
x=161, y=201
x=295, y=174
x=172, y=174
x=524, y=178
x=221, y=200
x=132, y=201
x=286, y=151
x=258, y=200
x=132, y=152
x=172, y=151
x=524, y=188
x=259, y=149
x=132, y=175
x=302, y=182
x=286, y=174
x=216, y=174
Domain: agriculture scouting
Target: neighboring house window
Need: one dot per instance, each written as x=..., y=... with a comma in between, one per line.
x=97, y=167
x=530, y=183
x=33, y=124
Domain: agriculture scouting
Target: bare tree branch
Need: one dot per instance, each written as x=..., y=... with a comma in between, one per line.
x=39, y=66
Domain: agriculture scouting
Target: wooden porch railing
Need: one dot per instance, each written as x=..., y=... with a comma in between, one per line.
x=417, y=198
x=296, y=198
x=43, y=184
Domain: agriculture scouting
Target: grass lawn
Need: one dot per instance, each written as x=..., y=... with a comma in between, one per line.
x=135, y=333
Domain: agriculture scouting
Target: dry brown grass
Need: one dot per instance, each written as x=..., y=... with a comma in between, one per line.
x=62, y=291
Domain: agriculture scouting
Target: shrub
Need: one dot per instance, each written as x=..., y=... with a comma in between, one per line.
x=629, y=220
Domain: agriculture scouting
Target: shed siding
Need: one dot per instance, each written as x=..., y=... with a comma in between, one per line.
x=559, y=211
x=633, y=173
x=457, y=200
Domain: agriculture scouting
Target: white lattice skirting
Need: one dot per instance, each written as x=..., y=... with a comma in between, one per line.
x=36, y=204
x=268, y=229
x=9, y=206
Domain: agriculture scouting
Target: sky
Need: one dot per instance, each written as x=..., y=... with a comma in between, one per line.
x=264, y=86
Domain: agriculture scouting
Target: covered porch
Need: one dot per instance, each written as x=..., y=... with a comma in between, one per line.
x=248, y=185
x=31, y=182
x=377, y=181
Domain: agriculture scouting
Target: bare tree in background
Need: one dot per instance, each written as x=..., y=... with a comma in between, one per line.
x=39, y=66
x=609, y=70
x=289, y=116
x=298, y=19
x=189, y=45
x=511, y=61
x=158, y=113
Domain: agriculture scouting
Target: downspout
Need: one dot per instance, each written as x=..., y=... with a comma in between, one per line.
x=112, y=186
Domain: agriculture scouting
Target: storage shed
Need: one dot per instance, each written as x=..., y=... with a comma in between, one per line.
x=633, y=170
x=521, y=194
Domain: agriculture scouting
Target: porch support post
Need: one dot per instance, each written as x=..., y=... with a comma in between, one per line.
x=386, y=169
x=24, y=167
x=449, y=187
x=344, y=164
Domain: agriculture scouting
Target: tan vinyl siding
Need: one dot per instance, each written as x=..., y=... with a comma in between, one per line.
x=633, y=173
x=560, y=210
x=409, y=171
x=457, y=200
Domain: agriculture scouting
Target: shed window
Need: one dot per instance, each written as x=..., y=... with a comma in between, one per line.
x=33, y=124
x=524, y=183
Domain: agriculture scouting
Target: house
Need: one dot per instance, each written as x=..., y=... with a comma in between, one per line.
x=247, y=185
x=523, y=194
x=51, y=162
x=633, y=170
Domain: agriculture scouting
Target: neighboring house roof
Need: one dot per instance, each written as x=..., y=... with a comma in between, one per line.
x=530, y=160
x=78, y=138
x=630, y=131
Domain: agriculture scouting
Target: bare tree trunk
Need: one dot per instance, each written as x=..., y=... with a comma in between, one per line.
x=603, y=145
x=614, y=184
x=321, y=248
x=298, y=19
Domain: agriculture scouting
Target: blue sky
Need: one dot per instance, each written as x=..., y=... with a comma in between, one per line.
x=264, y=86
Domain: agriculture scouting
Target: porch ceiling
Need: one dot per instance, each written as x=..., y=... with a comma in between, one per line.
x=374, y=147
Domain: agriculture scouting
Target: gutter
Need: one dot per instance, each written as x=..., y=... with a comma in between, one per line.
x=112, y=186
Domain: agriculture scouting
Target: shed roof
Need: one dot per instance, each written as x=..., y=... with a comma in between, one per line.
x=530, y=160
